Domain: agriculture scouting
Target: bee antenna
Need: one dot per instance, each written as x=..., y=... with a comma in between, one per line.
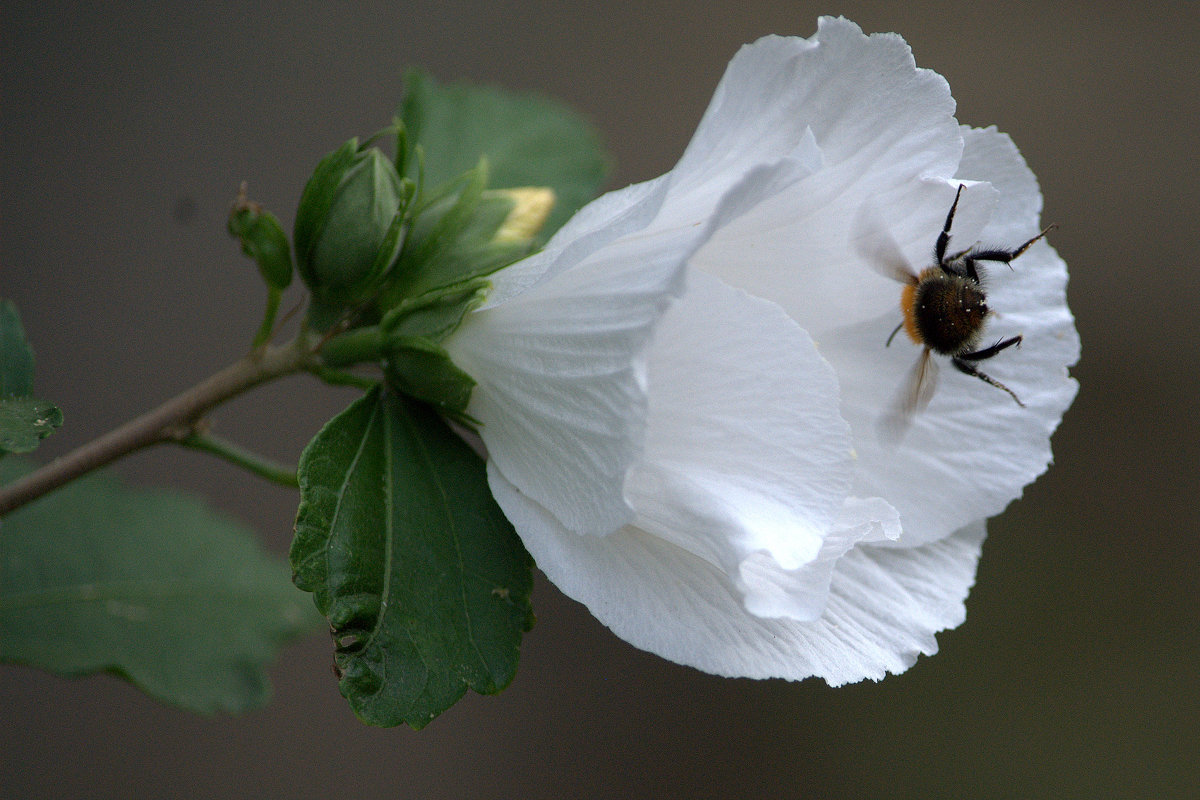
x=894, y=332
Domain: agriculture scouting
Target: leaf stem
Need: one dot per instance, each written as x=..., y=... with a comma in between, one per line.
x=171, y=421
x=223, y=448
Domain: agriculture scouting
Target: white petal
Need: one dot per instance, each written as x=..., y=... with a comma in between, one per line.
x=754, y=118
x=973, y=450
x=560, y=377
x=877, y=520
x=603, y=220
x=886, y=134
x=885, y=604
x=747, y=461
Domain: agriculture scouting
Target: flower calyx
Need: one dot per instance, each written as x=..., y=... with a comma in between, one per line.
x=415, y=362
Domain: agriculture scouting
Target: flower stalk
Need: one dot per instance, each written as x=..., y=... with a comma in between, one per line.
x=274, y=295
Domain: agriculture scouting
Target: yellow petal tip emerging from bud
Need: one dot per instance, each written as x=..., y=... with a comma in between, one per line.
x=531, y=206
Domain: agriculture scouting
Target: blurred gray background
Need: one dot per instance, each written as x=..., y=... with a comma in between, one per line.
x=126, y=130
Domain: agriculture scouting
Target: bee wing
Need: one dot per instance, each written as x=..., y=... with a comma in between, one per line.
x=911, y=399
x=874, y=243
x=922, y=379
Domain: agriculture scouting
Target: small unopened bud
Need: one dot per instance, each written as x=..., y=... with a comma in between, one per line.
x=262, y=239
x=348, y=224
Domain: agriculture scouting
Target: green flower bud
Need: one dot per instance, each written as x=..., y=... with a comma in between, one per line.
x=262, y=239
x=349, y=224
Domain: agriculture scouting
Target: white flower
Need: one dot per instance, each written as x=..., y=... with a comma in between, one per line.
x=680, y=395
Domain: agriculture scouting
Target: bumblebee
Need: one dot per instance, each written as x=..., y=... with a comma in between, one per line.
x=944, y=307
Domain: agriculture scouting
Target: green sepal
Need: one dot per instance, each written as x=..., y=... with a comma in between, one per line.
x=24, y=420
x=404, y=148
x=528, y=139
x=424, y=582
x=437, y=314
x=152, y=586
x=317, y=197
x=452, y=240
x=422, y=369
x=263, y=240
x=442, y=217
x=406, y=343
x=393, y=238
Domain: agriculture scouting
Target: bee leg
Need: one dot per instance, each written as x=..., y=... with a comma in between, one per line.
x=968, y=265
x=939, y=250
x=893, y=336
x=963, y=364
x=1002, y=255
x=988, y=352
x=960, y=267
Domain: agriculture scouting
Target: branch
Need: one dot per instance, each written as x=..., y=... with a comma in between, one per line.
x=163, y=423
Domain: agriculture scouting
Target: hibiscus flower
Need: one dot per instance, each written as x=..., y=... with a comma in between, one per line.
x=681, y=395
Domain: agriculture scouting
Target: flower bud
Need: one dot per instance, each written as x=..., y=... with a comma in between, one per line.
x=348, y=225
x=262, y=239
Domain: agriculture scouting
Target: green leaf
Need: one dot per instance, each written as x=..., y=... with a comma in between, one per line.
x=16, y=358
x=150, y=585
x=528, y=140
x=424, y=582
x=24, y=421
